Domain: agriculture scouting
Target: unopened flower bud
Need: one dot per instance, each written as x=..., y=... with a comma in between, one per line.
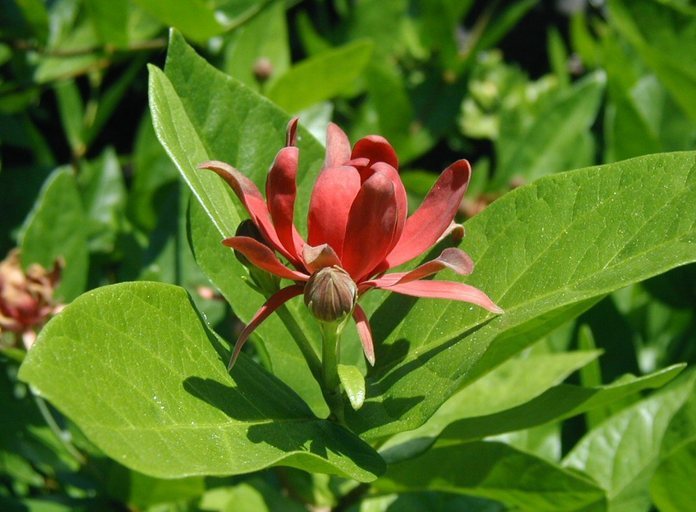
x=330, y=294
x=263, y=69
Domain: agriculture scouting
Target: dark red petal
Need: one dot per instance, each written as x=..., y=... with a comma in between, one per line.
x=291, y=132
x=365, y=333
x=280, y=196
x=316, y=258
x=434, y=215
x=274, y=302
x=252, y=199
x=371, y=224
x=401, y=199
x=376, y=149
x=337, y=147
x=263, y=257
x=332, y=197
x=445, y=290
x=451, y=258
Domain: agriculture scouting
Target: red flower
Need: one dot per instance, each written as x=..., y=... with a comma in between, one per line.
x=358, y=221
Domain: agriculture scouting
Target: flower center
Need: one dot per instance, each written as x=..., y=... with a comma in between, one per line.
x=330, y=294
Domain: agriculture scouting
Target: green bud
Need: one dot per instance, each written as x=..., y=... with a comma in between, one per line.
x=330, y=294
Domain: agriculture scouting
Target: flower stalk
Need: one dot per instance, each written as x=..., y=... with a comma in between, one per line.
x=330, y=350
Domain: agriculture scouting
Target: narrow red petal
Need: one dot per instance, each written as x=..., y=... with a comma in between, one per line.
x=451, y=258
x=253, y=201
x=281, y=191
x=445, y=290
x=274, y=302
x=365, y=333
x=376, y=149
x=263, y=257
x=371, y=224
x=332, y=197
x=316, y=258
x=434, y=215
x=337, y=147
x=291, y=132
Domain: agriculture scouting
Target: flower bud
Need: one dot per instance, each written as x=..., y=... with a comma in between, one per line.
x=330, y=294
x=262, y=69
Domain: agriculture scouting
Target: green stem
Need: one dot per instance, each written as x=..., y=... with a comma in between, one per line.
x=61, y=434
x=330, y=346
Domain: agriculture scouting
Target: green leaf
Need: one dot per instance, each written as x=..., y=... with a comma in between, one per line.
x=152, y=170
x=663, y=37
x=496, y=471
x=672, y=487
x=263, y=36
x=56, y=228
x=623, y=452
x=353, y=383
x=71, y=109
x=104, y=197
x=253, y=495
x=551, y=140
x=140, y=491
x=240, y=134
x=544, y=253
x=511, y=384
x=110, y=21
x=557, y=403
x=147, y=384
x=195, y=18
x=321, y=77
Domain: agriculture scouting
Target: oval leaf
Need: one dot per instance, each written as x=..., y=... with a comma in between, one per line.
x=135, y=367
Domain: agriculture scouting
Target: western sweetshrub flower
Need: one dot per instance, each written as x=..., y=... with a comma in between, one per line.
x=26, y=297
x=358, y=228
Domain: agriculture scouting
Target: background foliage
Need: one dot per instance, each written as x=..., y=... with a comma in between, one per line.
x=548, y=407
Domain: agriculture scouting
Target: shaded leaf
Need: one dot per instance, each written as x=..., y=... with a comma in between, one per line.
x=56, y=228
x=496, y=471
x=622, y=453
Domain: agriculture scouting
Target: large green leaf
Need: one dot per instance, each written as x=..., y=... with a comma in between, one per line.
x=56, y=228
x=494, y=470
x=135, y=367
x=544, y=252
x=623, y=452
